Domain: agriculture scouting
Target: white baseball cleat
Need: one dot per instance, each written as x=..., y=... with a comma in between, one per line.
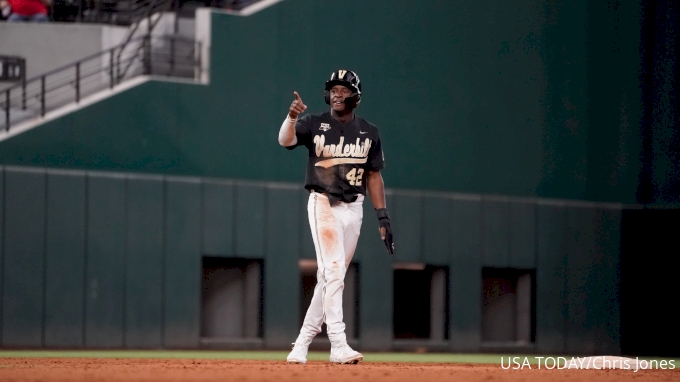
x=345, y=354
x=298, y=354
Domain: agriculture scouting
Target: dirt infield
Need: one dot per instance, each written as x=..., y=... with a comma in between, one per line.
x=91, y=369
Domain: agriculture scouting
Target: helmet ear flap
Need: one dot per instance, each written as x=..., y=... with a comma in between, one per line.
x=353, y=100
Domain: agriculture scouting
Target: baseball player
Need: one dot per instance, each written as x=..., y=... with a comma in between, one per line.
x=345, y=159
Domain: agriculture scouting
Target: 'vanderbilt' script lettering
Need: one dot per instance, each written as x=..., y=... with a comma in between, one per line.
x=341, y=150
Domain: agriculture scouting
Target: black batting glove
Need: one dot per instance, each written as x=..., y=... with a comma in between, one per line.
x=384, y=221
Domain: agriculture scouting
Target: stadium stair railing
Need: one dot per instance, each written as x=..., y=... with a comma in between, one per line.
x=167, y=56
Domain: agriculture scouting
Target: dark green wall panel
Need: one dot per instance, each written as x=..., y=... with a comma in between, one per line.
x=375, y=286
x=182, y=263
x=281, y=271
x=605, y=280
x=406, y=214
x=217, y=218
x=240, y=160
x=582, y=295
x=495, y=233
x=24, y=259
x=551, y=284
x=106, y=234
x=370, y=236
x=65, y=259
x=435, y=230
x=522, y=234
x=564, y=52
x=249, y=222
x=465, y=275
x=2, y=243
x=144, y=262
x=616, y=64
x=307, y=250
x=283, y=220
x=139, y=138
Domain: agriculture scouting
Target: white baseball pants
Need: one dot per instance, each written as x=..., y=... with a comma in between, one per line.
x=335, y=231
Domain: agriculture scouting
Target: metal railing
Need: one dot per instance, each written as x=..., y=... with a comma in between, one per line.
x=150, y=25
x=117, y=12
x=127, y=12
x=147, y=55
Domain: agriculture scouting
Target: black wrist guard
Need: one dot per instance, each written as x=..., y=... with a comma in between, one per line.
x=384, y=221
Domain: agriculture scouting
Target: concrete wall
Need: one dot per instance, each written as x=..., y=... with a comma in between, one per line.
x=52, y=45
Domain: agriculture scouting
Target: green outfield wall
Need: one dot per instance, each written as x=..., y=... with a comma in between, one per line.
x=113, y=260
x=525, y=98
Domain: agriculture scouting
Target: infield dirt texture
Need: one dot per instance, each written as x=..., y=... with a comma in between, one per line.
x=17, y=368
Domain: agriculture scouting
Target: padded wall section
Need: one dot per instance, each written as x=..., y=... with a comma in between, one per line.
x=593, y=321
x=144, y=261
x=435, y=226
x=580, y=276
x=181, y=267
x=496, y=233
x=522, y=251
x=109, y=260
x=65, y=259
x=250, y=225
x=504, y=98
x=217, y=218
x=281, y=271
x=24, y=258
x=375, y=285
x=406, y=215
x=105, y=280
x=465, y=274
x=608, y=280
x=307, y=250
x=551, y=282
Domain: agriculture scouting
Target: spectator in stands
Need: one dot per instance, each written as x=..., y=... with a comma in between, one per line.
x=4, y=9
x=29, y=10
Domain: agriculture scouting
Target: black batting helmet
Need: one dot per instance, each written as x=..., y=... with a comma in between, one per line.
x=350, y=80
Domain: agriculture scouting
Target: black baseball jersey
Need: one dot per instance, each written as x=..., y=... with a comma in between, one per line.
x=340, y=154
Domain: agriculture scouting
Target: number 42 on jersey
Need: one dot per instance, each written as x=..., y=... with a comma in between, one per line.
x=354, y=176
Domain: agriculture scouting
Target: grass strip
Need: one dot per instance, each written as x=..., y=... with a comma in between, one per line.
x=278, y=356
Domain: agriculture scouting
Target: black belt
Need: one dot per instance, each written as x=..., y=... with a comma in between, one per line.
x=337, y=198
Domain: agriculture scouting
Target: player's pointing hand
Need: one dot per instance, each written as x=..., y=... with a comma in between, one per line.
x=297, y=107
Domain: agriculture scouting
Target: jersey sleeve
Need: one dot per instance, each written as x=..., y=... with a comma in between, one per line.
x=303, y=132
x=376, y=158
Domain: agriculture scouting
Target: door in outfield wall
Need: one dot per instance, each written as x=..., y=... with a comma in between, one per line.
x=231, y=300
x=649, y=274
x=420, y=302
x=508, y=306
